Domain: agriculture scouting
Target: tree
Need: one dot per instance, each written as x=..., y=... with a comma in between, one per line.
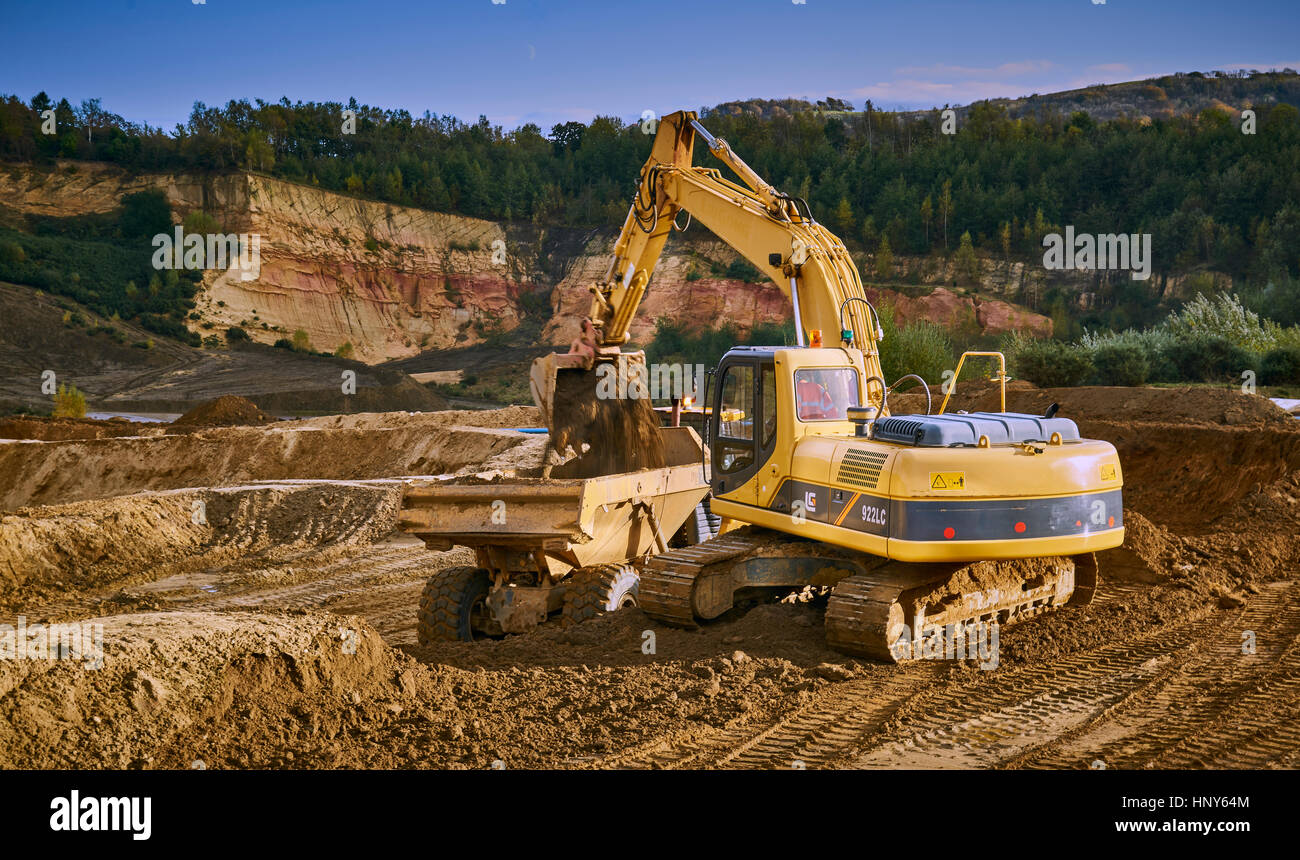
x=927, y=216
x=884, y=258
x=844, y=219
x=259, y=155
x=301, y=341
x=945, y=209
x=968, y=265
x=1004, y=239
x=567, y=137
x=69, y=402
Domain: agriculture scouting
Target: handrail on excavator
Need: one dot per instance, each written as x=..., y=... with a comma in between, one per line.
x=1001, y=377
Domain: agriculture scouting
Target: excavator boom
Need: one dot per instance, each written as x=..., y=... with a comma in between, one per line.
x=773, y=231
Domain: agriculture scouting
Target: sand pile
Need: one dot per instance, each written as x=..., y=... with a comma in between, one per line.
x=46, y=473
x=51, y=429
x=53, y=552
x=227, y=411
x=184, y=687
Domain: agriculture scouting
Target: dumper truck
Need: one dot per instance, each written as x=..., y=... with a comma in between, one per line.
x=547, y=547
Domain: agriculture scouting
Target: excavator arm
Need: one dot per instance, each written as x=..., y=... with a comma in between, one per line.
x=773, y=231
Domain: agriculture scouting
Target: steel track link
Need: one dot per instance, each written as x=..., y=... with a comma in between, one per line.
x=668, y=580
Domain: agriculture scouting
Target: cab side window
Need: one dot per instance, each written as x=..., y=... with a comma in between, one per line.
x=734, y=450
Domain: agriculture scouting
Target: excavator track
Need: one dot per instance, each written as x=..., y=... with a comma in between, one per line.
x=906, y=611
x=668, y=580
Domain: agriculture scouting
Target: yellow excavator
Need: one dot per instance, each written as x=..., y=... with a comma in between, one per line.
x=921, y=526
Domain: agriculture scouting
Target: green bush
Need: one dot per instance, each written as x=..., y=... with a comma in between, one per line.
x=1222, y=317
x=922, y=348
x=1052, y=364
x=12, y=252
x=235, y=333
x=1121, y=364
x=1208, y=358
x=283, y=343
x=1281, y=366
x=741, y=269
x=145, y=214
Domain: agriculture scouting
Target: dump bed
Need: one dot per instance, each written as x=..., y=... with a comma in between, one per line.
x=582, y=522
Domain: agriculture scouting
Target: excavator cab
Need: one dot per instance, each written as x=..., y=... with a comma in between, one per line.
x=766, y=398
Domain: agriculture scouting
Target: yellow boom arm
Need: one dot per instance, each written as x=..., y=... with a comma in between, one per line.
x=772, y=230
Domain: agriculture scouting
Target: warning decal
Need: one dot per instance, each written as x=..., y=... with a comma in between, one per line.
x=947, y=480
x=1108, y=472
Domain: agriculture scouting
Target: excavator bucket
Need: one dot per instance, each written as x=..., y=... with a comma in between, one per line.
x=604, y=408
x=541, y=380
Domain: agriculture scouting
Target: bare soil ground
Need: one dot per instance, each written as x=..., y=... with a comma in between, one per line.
x=282, y=634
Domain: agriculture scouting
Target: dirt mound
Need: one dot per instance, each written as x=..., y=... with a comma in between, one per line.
x=184, y=687
x=510, y=417
x=1189, y=476
x=59, y=429
x=1188, y=405
x=226, y=411
x=52, y=552
x=971, y=395
x=47, y=473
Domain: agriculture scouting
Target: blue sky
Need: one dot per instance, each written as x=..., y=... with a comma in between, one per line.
x=546, y=62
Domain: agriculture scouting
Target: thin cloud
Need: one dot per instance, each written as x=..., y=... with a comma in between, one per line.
x=1005, y=70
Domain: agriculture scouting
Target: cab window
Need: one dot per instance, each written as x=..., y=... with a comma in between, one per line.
x=825, y=394
x=735, y=444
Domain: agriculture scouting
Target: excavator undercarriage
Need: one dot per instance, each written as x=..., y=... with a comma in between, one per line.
x=877, y=608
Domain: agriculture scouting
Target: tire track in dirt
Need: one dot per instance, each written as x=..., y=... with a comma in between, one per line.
x=994, y=723
x=1210, y=706
x=827, y=730
x=808, y=737
x=355, y=584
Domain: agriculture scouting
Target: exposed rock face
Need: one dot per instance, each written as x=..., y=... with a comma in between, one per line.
x=952, y=311
x=394, y=281
x=390, y=280
x=703, y=303
x=80, y=188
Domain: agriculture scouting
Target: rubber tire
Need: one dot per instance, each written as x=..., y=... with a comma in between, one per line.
x=447, y=603
x=592, y=591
